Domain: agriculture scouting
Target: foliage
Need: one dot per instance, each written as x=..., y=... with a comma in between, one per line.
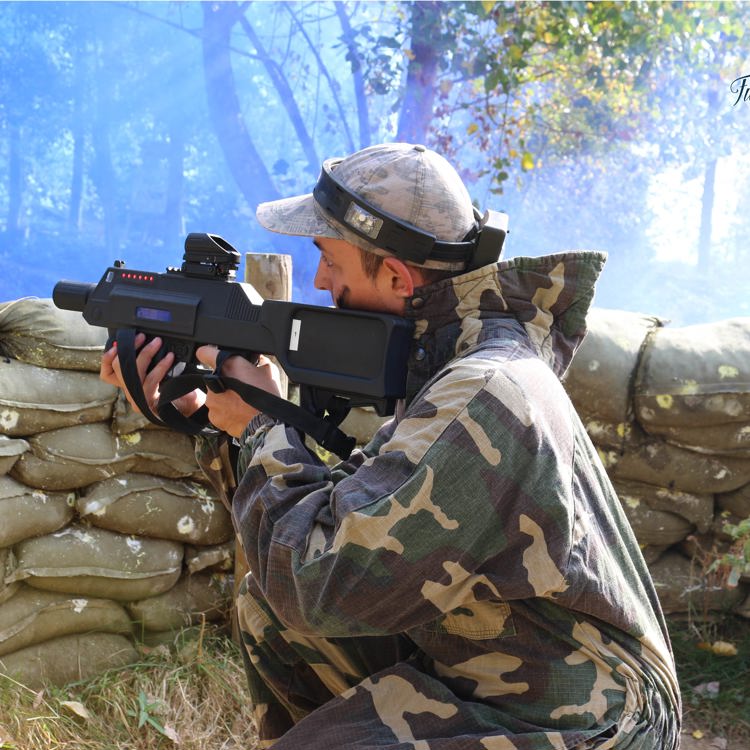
x=125, y=125
x=191, y=696
x=735, y=562
x=714, y=688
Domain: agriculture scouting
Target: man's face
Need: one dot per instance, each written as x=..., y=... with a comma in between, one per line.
x=340, y=272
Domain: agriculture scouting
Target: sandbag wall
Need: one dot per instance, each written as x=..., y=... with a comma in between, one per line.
x=109, y=533
x=668, y=409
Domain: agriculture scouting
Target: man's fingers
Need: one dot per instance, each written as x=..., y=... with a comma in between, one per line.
x=207, y=355
x=146, y=355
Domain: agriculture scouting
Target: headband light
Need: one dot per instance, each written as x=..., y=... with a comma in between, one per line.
x=362, y=221
x=482, y=245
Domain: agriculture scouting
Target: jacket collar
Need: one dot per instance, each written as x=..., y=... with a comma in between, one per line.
x=548, y=296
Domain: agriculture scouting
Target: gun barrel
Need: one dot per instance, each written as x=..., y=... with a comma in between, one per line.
x=71, y=295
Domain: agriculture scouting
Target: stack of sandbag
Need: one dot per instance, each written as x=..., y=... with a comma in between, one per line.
x=108, y=531
x=669, y=411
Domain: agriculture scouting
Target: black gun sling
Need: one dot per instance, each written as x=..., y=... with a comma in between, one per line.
x=324, y=430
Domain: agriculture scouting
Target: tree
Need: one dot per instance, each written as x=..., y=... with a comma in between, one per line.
x=699, y=125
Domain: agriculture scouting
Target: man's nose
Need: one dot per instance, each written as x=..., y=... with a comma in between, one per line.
x=321, y=280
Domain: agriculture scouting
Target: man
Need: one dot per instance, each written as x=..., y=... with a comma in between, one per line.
x=468, y=579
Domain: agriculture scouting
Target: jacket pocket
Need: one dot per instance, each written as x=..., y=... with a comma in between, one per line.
x=478, y=621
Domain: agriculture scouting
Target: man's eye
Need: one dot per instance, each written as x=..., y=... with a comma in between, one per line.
x=327, y=263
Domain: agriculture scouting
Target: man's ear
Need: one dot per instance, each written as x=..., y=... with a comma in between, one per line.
x=402, y=278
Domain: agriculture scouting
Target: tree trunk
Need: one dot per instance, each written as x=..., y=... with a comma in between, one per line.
x=707, y=210
x=242, y=157
x=103, y=172
x=15, y=180
x=363, y=113
x=421, y=77
x=324, y=70
x=173, y=229
x=79, y=136
x=286, y=95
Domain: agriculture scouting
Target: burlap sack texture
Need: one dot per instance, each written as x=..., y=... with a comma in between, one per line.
x=35, y=331
x=10, y=451
x=669, y=412
x=98, y=510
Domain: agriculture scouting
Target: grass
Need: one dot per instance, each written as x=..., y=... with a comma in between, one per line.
x=715, y=688
x=193, y=696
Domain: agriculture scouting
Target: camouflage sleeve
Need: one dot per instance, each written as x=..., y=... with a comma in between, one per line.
x=470, y=477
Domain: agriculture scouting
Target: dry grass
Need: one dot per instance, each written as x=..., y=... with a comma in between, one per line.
x=715, y=689
x=192, y=696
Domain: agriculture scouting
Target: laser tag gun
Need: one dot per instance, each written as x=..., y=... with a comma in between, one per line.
x=339, y=358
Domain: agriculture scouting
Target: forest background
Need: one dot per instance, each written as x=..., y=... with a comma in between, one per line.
x=620, y=127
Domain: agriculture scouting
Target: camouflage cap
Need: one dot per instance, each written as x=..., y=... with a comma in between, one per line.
x=410, y=182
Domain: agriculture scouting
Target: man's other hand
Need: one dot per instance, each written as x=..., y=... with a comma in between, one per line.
x=227, y=411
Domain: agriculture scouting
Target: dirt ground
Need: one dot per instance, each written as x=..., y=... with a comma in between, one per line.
x=708, y=741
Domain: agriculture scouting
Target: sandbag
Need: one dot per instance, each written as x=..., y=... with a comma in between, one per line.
x=681, y=587
x=35, y=399
x=71, y=457
x=10, y=450
x=736, y=502
x=609, y=434
x=600, y=378
x=650, y=526
x=125, y=419
x=218, y=558
x=7, y=565
x=26, y=513
x=695, y=379
x=362, y=423
x=652, y=552
x=93, y=562
x=151, y=506
x=193, y=599
x=696, y=509
x=68, y=659
x=35, y=331
x=657, y=462
x=33, y=616
x=170, y=454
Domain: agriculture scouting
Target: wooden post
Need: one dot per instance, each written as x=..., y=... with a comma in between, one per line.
x=271, y=275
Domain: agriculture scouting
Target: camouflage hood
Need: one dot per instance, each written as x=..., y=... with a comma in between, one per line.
x=549, y=296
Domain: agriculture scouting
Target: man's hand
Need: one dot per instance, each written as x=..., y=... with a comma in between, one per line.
x=227, y=411
x=110, y=372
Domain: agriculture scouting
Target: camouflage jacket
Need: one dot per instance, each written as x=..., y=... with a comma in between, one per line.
x=480, y=521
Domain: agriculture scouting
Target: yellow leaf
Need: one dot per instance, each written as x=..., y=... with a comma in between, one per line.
x=697, y=734
x=472, y=128
x=409, y=54
x=527, y=161
x=171, y=734
x=723, y=648
x=488, y=5
x=77, y=708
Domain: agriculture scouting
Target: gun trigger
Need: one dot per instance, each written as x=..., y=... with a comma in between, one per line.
x=214, y=383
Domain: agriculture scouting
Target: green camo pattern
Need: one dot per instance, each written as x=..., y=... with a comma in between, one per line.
x=468, y=579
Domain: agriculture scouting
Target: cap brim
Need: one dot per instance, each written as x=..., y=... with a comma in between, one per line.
x=300, y=216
